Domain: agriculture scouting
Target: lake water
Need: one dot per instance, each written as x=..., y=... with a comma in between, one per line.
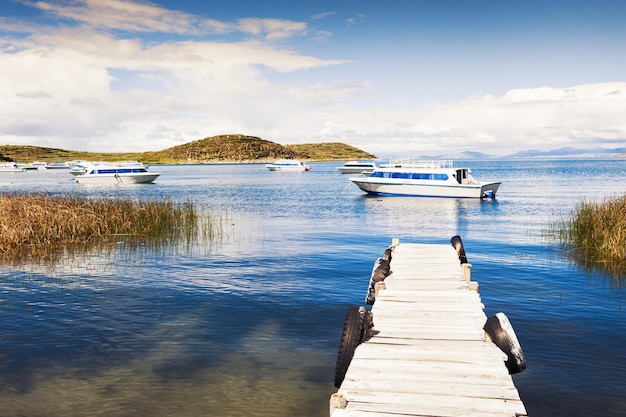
x=249, y=325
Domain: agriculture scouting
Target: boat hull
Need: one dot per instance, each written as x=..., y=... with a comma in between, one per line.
x=287, y=168
x=483, y=190
x=134, y=178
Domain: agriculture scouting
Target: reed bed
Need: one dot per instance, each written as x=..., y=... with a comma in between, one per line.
x=596, y=233
x=41, y=223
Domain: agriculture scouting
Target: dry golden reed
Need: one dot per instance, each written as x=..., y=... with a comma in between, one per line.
x=33, y=221
x=596, y=232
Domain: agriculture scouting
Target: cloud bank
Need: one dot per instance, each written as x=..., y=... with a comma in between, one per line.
x=86, y=78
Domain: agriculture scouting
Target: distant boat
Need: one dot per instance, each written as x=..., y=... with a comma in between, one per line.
x=26, y=167
x=10, y=167
x=425, y=179
x=100, y=173
x=58, y=165
x=357, y=167
x=39, y=165
x=288, y=165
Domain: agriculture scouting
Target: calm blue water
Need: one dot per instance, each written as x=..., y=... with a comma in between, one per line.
x=249, y=325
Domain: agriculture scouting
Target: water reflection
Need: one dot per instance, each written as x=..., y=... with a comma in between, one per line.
x=425, y=217
x=106, y=335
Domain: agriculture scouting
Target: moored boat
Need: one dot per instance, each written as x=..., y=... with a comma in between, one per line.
x=80, y=167
x=288, y=165
x=357, y=167
x=10, y=167
x=425, y=179
x=26, y=167
x=39, y=165
x=108, y=173
x=58, y=165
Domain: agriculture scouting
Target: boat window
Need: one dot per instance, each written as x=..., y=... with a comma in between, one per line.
x=440, y=177
x=420, y=176
x=400, y=175
x=378, y=174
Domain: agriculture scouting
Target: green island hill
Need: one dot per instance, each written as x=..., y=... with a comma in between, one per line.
x=233, y=148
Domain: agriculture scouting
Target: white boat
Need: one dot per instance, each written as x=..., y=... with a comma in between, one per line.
x=58, y=165
x=26, y=167
x=107, y=173
x=39, y=165
x=80, y=167
x=425, y=179
x=357, y=167
x=10, y=167
x=288, y=165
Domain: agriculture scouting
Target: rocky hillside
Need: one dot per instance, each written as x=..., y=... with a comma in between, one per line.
x=223, y=148
x=330, y=151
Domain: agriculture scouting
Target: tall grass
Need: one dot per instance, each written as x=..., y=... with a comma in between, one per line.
x=36, y=224
x=596, y=234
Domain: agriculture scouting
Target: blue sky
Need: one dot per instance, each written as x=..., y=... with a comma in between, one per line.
x=395, y=78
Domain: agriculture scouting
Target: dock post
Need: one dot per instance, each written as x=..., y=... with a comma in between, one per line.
x=379, y=286
x=337, y=401
x=467, y=271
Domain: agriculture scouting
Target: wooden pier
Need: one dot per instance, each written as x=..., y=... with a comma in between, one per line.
x=427, y=353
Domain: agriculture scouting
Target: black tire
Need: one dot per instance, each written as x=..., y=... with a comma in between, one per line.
x=502, y=335
x=352, y=336
x=457, y=243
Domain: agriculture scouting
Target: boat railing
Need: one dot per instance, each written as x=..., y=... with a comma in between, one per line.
x=418, y=163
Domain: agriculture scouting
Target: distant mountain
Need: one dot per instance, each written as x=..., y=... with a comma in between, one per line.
x=566, y=152
x=569, y=152
x=460, y=155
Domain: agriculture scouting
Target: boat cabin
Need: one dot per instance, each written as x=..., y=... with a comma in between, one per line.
x=462, y=175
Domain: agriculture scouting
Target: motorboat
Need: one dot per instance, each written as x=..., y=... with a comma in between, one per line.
x=26, y=167
x=58, y=165
x=425, y=179
x=288, y=165
x=109, y=173
x=80, y=167
x=357, y=167
x=10, y=167
x=40, y=165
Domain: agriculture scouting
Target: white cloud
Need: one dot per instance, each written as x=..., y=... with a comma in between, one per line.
x=541, y=118
x=130, y=16
x=273, y=29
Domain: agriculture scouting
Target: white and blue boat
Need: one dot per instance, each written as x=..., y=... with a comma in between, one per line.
x=288, y=165
x=425, y=179
x=109, y=173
